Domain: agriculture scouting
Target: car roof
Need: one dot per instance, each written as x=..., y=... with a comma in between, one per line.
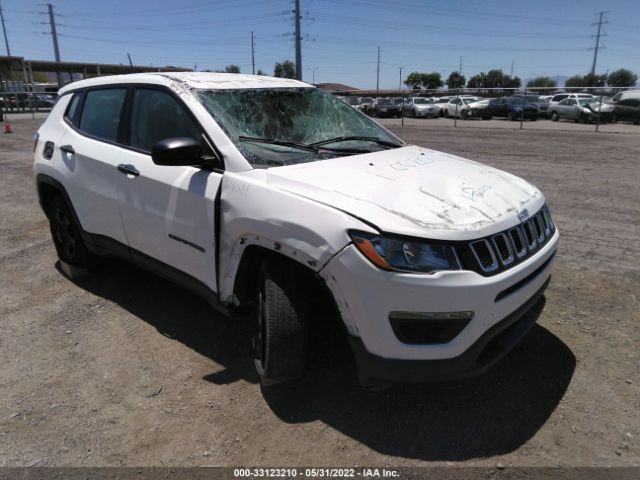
x=191, y=80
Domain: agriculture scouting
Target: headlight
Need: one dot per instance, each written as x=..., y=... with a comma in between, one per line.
x=404, y=255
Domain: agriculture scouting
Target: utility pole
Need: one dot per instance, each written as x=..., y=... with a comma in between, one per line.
x=298, y=41
x=313, y=73
x=253, y=56
x=378, y=73
x=460, y=66
x=4, y=30
x=400, y=82
x=601, y=21
x=513, y=63
x=130, y=62
x=54, y=35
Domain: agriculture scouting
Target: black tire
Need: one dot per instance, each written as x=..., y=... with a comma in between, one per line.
x=464, y=115
x=614, y=119
x=281, y=332
x=66, y=234
x=554, y=116
x=488, y=117
x=511, y=117
x=446, y=114
x=413, y=113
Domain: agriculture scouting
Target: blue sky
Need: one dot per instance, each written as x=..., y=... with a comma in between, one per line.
x=545, y=37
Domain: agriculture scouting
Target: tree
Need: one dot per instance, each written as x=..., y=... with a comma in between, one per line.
x=232, y=68
x=455, y=80
x=477, y=81
x=545, y=82
x=430, y=81
x=622, y=78
x=595, y=80
x=413, y=80
x=493, y=79
x=575, y=81
x=260, y=72
x=285, y=69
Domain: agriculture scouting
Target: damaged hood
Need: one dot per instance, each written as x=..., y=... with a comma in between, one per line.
x=415, y=191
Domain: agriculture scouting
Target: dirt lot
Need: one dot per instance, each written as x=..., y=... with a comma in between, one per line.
x=123, y=368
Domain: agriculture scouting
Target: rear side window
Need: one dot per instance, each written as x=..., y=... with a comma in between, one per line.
x=101, y=113
x=156, y=116
x=72, y=108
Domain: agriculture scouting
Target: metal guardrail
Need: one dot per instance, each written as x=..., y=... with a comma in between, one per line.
x=23, y=102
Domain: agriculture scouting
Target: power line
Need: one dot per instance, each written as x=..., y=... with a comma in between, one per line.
x=601, y=21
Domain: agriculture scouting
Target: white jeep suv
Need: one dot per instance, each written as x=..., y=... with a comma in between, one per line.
x=260, y=192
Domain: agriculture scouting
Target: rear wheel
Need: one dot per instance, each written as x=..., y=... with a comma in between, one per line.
x=66, y=234
x=280, y=338
x=446, y=114
x=464, y=115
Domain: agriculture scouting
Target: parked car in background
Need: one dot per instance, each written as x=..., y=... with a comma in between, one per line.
x=384, y=107
x=563, y=96
x=513, y=108
x=627, y=110
x=477, y=109
x=582, y=110
x=351, y=101
x=441, y=102
x=365, y=103
x=542, y=103
x=626, y=94
x=421, y=107
x=453, y=108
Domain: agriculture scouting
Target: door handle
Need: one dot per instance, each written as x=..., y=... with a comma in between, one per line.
x=128, y=170
x=67, y=149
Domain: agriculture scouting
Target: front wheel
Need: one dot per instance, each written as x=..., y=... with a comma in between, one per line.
x=280, y=338
x=464, y=115
x=554, y=117
x=446, y=114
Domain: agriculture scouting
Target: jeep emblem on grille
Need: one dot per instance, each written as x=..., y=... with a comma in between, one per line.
x=523, y=215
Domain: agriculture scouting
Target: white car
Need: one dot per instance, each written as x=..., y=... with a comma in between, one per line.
x=261, y=193
x=421, y=107
x=556, y=99
x=455, y=106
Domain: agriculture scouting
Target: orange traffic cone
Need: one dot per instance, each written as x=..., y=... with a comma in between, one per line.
x=7, y=127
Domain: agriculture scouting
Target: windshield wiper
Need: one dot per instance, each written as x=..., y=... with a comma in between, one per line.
x=272, y=141
x=312, y=147
x=356, y=137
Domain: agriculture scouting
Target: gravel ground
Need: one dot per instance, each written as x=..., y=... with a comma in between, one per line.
x=123, y=368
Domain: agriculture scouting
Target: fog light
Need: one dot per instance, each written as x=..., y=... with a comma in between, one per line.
x=417, y=328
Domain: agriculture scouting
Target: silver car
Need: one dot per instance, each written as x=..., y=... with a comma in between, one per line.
x=581, y=110
x=421, y=107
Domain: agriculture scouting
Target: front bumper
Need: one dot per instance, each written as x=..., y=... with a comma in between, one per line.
x=494, y=344
x=365, y=296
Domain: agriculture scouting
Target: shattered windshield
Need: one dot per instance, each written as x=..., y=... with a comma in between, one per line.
x=273, y=127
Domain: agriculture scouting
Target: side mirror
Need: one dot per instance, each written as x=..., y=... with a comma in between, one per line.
x=177, y=152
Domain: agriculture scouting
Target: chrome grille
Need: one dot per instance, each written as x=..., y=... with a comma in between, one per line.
x=517, y=243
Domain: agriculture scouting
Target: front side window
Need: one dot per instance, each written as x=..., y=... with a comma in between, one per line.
x=101, y=113
x=155, y=116
x=259, y=121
